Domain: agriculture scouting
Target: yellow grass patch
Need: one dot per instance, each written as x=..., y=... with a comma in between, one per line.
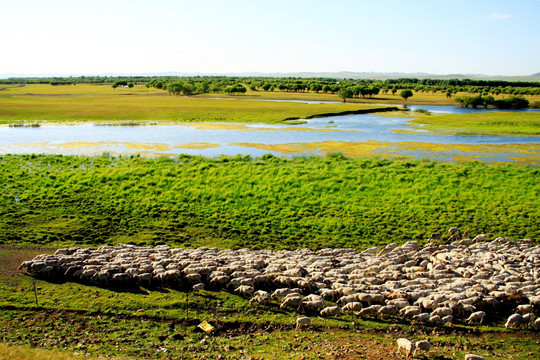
x=245, y=127
x=350, y=149
x=521, y=153
x=404, y=131
x=197, y=145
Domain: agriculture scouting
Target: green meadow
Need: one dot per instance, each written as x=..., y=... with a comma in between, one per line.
x=268, y=202
x=83, y=102
x=484, y=123
x=87, y=102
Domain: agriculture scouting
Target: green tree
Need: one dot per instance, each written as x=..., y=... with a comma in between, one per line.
x=345, y=93
x=316, y=87
x=405, y=94
x=215, y=88
x=175, y=88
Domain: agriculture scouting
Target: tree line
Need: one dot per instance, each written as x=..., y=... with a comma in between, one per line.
x=344, y=88
x=292, y=84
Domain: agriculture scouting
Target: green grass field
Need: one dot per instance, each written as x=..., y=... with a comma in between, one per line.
x=266, y=202
x=45, y=103
x=86, y=102
x=488, y=123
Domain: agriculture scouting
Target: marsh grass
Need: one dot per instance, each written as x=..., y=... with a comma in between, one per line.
x=485, y=123
x=422, y=111
x=125, y=123
x=25, y=124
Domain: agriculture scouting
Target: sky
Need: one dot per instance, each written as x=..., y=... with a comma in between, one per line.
x=75, y=37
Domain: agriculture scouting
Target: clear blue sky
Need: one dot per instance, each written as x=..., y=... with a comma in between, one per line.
x=140, y=36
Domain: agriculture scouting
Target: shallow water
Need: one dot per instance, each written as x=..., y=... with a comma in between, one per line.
x=354, y=135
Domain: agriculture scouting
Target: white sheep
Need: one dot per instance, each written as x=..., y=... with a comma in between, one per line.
x=404, y=344
x=435, y=320
x=442, y=311
x=473, y=357
x=346, y=299
x=479, y=238
x=370, y=310
x=423, y=317
x=524, y=309
x=198, y=286
x=388, y=310
x=353, y=306
x=245, y=290
x=435, y=278
x=313, y=305
x=410, y=312
x=365, y=298
x=377, y=298
x=447, y=319
x=291, y=301
x=331, y=311
x=313, y=297
x=476, y=317
x=422, y=345
x=513, y=320
x=329, y=294
x=260, y=297
x=528, y=319
x=281, y=292
x=303, y=321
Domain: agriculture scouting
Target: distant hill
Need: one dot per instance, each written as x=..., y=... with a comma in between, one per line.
x=397, y=75
x=334, y=75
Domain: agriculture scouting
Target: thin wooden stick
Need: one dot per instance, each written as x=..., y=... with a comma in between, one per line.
x=35, y=294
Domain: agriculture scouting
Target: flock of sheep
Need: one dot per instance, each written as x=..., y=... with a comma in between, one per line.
x=468, y=281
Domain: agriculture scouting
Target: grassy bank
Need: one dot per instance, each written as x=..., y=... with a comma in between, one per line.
x=102, y=103
x=259, y=203
x=488, y=123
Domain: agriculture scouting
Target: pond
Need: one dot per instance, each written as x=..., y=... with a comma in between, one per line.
x=352, y=135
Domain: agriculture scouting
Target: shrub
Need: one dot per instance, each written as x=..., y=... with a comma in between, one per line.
x=514, y=102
